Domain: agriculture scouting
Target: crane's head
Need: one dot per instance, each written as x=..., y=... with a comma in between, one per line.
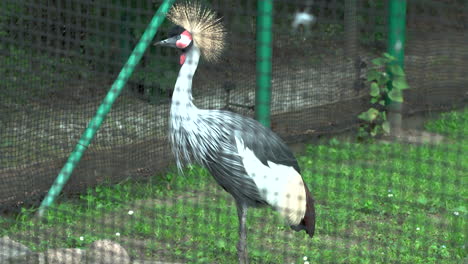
x=195, y=25
x=178, y=38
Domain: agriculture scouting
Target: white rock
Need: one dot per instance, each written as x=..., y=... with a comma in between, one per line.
x=64, y=256
x=107, y=252
x=10, y=249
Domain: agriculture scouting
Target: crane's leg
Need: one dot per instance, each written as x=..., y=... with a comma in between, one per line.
x=242, y=245
x=307, y=31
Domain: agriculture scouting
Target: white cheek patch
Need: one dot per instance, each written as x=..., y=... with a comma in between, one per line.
x=184, y=41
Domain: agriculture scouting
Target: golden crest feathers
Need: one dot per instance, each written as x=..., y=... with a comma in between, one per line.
x=207, y=31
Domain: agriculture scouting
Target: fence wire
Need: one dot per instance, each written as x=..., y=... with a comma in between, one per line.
x=379, y=200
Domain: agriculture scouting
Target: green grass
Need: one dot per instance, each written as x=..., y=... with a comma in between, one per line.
x=453, y=124
x=376, y=203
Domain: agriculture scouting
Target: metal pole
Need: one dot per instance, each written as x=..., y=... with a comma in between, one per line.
x=396, y=48
x=105, y=107
x=264, y=56
x=397, y=30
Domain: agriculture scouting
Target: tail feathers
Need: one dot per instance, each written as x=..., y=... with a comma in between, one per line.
x=308, y=222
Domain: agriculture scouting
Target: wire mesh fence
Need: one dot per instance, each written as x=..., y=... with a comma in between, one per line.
x=379, y=200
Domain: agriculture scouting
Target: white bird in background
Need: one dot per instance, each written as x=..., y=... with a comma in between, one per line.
x=304, y=18
x=246, y=158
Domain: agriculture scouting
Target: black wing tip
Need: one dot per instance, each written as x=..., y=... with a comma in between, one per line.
x=300, y=227
x=307, y=226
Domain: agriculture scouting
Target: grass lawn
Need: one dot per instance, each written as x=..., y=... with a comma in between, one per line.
x=376, y=203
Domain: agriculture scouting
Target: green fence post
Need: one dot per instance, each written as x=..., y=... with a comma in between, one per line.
x=105, y=107
x=396, y=48
x=264, y=52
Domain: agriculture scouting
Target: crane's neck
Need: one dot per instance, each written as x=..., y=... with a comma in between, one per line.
x=182, y=96
x=308, y=6
x=184, y=113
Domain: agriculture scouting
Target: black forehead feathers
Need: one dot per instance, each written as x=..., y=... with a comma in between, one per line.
x=176, y=30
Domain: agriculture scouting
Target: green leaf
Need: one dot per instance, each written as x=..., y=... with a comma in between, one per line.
x=374, y=89
x=396, y=70
x=386, y=127
x=388, y=56
x=383, y=78
x=373, y=75
x=396, y=95
x=363, y=116
x=374, y=100
x=400, y=84
x=382, y=102
x=378, y=61
x=369, y=115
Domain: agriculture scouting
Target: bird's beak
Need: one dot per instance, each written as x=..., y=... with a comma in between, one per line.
x=170, y=42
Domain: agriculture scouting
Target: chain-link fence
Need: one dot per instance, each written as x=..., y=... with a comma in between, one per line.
x=377, y=200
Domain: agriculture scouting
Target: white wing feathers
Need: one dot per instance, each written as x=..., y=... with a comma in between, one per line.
x=281, y=186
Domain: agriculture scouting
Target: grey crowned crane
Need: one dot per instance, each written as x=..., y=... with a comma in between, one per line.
x=304, y=18
x=247, y=159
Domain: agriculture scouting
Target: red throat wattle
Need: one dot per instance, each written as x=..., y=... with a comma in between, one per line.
x=182, y=58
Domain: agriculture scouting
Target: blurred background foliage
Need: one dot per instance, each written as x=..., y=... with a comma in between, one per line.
x=94, y=38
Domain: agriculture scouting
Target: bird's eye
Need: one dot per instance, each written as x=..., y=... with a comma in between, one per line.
x=178, y=37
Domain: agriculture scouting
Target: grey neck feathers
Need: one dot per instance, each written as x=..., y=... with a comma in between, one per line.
x=184, y=114
x=182, y=96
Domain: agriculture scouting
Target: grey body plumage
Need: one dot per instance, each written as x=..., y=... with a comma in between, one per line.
x=212, y=144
